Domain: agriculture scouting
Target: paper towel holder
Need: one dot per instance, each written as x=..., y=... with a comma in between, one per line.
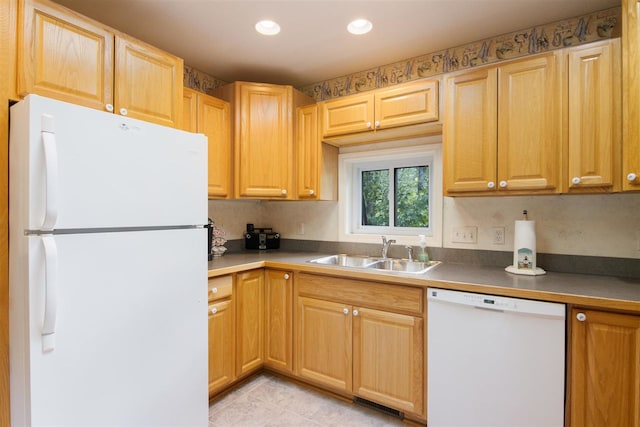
x=524, y=249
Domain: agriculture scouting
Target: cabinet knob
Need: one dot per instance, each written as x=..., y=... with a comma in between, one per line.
x=631, y=177
x=284, y=191
x=355, y=312
x=377, y=123
x=123, y=111
x=345, y=310
x=214, y=290
x=503, y=184
x=286, y=276
x=491, y=184
x=109, y=108
x=581, y=317
x=214, y=310
x=368, y=125
x=311, y=192
x=575, y=180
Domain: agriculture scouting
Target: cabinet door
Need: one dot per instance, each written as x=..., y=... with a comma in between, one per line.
x=350, y=114
x=323, y=343
x=470, y=131
x=388, y=362
x=64, y=55
x=406, y=104
x=529, y=125
x=309, y=152
x=631, y=95
x=594, y=117
x=148, y=83
x=221, y=345
x=264, y=147
x=189, y=110
x=249, y=321
x=214, y=121
x=605, y=369
x=278, y=320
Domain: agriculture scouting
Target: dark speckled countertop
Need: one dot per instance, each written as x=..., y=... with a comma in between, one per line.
x=585, y=290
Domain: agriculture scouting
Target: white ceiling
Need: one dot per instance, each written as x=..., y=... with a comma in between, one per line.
x=218, y=36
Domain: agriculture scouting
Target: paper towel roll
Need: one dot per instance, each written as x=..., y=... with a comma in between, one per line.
x=524, y=249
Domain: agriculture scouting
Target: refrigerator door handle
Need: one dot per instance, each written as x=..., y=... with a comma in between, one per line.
x=51, y=172
x=51, y=292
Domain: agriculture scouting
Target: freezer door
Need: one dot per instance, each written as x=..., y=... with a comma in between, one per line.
x=74, y=168
x=127, y=344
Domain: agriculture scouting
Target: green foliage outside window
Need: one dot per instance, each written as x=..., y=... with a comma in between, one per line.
x=375, y=197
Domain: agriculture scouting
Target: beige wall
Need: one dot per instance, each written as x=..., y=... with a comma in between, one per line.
x=597, y=225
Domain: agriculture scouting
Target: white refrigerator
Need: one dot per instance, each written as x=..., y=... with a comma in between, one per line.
x=108, y=269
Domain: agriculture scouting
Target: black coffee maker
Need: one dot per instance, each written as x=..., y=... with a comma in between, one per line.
x=209, y=227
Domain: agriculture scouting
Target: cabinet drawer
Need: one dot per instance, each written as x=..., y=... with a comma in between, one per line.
x=385, y=296
x=220, y=287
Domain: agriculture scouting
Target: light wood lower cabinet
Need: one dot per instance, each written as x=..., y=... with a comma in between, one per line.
x=249, y=298
x=278, y=320
x=605, y=369
x=221, y=345
x=352, y=337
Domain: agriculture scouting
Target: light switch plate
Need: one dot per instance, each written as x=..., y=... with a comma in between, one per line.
x=464, y=235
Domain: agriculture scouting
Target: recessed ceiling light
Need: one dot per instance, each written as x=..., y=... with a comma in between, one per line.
x=267, y=27
x=359, y=26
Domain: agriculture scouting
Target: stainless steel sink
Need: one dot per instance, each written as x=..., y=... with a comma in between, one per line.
x=404, y=266
x=380, y=264
x=344, y=260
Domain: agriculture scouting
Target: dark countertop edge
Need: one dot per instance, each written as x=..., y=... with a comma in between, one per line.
x=604, y=292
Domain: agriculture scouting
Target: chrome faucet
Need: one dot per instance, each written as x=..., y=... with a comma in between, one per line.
x=385, y=246
x=410, y=252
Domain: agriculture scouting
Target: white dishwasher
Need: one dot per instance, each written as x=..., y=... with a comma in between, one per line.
x=494, y=361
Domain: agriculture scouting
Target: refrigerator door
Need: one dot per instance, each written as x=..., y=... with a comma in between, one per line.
x=126, y=339
x=84, y=168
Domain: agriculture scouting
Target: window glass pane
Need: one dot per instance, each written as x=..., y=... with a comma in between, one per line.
x=375, y=197
x=412, y=196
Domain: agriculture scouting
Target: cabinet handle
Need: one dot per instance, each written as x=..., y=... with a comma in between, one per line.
x=284, y=192
x=109, y=108
x=214, y=290
x=503, y=184
x=377, y=123
x=575, y=180
x=286, y=276
x=631, y=177
x=355, y=312
x=581, y=317
x=491, y=184
x=214, y=310
x=345, y=310
x=368, y=125
x=123, y=111
x=311, y=192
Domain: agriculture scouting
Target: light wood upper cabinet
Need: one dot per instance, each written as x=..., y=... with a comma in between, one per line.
x=503, y=128
x=631, y=95
x=471, y=131
x=278, y=320
x=64, y=55
x=594, y=140
x=249, y=297
x=406, y=104
x=605, y=369
x=211, y=117
x=529, y=124
x=148, y=82
x=67, y=56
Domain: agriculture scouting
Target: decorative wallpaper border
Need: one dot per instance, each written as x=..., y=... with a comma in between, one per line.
x=570, y=32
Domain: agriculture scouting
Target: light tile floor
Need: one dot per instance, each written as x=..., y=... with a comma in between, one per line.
x=267, y=400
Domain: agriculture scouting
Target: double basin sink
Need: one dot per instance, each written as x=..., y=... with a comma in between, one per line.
x=378, y=264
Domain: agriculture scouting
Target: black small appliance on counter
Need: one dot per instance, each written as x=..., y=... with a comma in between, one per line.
x=261, y=238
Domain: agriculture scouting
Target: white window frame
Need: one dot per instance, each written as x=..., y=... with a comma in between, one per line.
x=350, y=165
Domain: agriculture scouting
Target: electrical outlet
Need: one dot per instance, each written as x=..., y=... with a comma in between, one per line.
x=300, y=228
x=464, y=235
x=497, y=235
